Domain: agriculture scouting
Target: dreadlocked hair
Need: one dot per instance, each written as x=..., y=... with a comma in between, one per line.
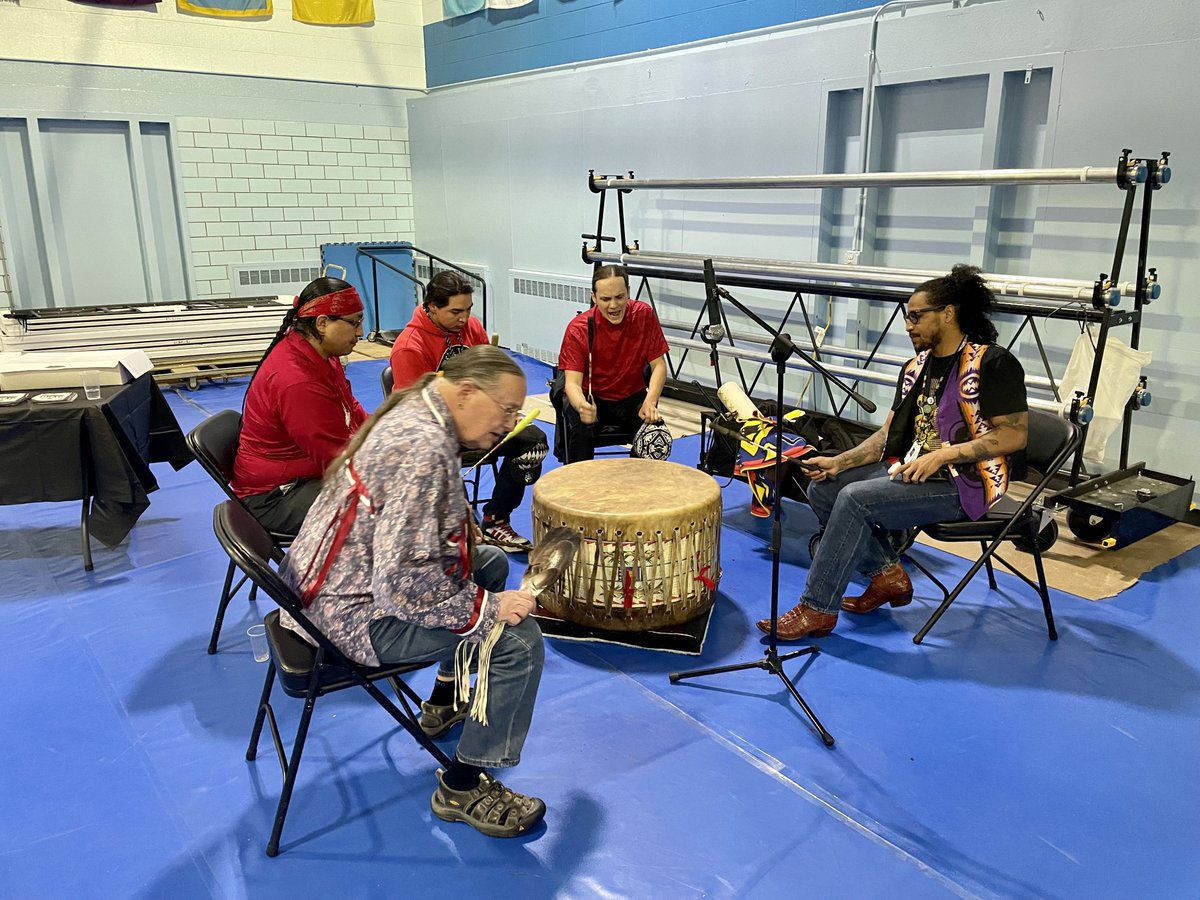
x=483, y=365
x=973, y=301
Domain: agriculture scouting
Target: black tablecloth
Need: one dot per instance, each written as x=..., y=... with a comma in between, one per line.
x=49, y=448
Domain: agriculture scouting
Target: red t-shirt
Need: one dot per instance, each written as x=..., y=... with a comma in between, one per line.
x=300, y=413
x=423, y=347
x=619, y=352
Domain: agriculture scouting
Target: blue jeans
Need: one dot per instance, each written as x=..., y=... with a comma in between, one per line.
x=857, y=509
x=513, y=677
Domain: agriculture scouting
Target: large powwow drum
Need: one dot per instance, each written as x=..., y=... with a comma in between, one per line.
x=650, y=554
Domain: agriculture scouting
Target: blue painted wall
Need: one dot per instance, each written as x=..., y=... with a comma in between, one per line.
x=554, y=32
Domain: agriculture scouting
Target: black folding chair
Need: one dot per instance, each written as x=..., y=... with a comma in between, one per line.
x=1052, y=441
x=471, y=473
x=306, y=669
x=214, y=443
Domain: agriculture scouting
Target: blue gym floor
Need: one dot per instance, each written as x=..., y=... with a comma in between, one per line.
x=987, y=762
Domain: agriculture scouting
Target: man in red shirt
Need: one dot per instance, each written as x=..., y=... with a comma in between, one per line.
x=299, y=412
x=604, y=355
x=442, y=328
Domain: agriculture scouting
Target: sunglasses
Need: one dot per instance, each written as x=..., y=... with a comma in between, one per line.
x=915, y=316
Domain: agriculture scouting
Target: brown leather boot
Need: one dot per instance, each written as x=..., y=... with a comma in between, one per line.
x=889, y=586
x=800, y=622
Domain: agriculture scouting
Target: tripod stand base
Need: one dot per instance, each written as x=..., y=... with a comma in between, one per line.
x=771, y=662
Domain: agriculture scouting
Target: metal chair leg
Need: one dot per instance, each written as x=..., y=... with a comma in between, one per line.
x=1044, y=591
x=293, y=764
x=264, y=704
x=991, y=572
x=227, y=593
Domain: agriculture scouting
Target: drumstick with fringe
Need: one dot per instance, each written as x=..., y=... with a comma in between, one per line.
x=547, y=562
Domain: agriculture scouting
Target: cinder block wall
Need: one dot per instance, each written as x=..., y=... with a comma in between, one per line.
x=262, y=191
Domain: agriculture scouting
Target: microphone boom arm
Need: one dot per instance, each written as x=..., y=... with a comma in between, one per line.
x=783, y=344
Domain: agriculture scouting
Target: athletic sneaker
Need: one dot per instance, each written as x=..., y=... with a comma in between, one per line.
x=488, y=807
x=500, y=534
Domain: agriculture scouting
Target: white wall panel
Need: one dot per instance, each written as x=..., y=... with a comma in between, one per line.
x=755, y=106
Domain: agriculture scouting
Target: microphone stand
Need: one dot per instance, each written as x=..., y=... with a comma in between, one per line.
x=781, y=349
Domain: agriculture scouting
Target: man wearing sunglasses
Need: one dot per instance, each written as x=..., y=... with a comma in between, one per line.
x=441, y=328
x=953, y=439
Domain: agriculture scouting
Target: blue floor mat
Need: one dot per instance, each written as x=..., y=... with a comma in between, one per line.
x=987, y=762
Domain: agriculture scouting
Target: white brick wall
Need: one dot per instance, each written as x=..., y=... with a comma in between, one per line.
x=264, y=191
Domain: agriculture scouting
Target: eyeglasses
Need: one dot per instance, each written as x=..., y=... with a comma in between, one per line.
x=510, y=412
x=914, y=316
x=353, y=321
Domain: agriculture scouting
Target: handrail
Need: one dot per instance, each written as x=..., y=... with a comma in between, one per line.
x=412, y=248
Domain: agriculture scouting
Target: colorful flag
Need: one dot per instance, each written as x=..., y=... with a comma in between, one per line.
x=334, y=12
x=118, y=2
x=452, y=8
x=227, y=9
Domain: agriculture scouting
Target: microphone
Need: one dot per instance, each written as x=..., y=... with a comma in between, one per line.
x=525, y=422
x=714, y=332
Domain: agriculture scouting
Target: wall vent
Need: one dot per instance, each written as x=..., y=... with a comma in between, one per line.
x=250, y=279
x=423, y=270
x=545, y=302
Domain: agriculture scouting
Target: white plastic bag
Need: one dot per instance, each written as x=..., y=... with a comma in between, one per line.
x=1119, y=374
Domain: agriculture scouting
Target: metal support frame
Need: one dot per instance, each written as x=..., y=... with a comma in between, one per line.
x=1086, y=302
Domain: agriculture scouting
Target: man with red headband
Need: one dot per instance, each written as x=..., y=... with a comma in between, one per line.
x=299, y=412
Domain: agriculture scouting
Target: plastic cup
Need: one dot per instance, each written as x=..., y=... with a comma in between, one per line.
x=91, y=384
x=258, y=642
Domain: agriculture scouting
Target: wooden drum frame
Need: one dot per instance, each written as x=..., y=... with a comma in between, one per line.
x=650, y=554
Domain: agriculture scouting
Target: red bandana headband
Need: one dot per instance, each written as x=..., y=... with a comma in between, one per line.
x=340, y=303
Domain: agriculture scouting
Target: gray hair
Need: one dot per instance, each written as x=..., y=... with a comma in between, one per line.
x=483, y=365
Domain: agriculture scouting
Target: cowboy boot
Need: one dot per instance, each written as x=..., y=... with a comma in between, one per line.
x=890, y=586
x=800, y=622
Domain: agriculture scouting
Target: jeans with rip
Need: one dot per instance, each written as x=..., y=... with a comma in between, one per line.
x=857, y=509
x=513, y=676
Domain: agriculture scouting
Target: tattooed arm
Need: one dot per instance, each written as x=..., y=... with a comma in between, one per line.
x=818, y=468
x=1008, y=435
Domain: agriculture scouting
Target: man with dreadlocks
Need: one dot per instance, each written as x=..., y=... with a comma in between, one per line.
x=299, y=411
x=954, y=437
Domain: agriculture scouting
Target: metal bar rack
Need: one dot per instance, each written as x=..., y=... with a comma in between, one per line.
x=1031, y=298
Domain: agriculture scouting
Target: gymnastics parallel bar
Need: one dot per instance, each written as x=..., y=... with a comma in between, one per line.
x=850, y=372
x=872, y=282
x=825, y=349
x=1119, y=175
